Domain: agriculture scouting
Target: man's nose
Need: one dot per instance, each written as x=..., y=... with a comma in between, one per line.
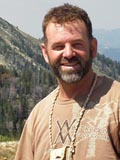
x=68, y=51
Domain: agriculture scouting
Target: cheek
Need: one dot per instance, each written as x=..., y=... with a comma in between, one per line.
x=54, y=57
x=85, y=56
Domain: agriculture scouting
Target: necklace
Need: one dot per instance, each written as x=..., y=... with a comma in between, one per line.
x=65, y=153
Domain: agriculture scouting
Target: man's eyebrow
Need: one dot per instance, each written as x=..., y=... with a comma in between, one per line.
x=73, y=40
x=57, y=43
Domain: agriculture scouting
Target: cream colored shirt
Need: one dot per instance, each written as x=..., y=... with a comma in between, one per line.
x=98, y=136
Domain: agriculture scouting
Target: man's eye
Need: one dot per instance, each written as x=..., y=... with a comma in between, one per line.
x=58, y=48
x=77, y=46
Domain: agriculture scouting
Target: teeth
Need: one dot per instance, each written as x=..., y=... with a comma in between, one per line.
x=70, y=64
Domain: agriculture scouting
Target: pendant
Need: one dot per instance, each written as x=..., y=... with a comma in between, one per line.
x=63, y=153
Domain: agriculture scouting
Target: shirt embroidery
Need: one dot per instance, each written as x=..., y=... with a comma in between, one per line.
x=64, y=131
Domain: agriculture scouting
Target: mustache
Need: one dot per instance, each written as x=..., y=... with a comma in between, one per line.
x=71, y=60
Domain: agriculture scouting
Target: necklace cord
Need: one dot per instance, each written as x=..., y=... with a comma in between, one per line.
x=83, y=109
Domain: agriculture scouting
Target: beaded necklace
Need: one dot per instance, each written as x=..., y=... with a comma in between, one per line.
x=66, y=153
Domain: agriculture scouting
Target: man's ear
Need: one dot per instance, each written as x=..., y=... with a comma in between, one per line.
x=94, y=47
x=44, y=52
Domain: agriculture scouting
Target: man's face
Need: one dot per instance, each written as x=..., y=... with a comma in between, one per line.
x=68, y=50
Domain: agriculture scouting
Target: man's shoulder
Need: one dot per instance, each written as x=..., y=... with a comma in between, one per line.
x=109, y=81
x=49, y=97
x=110, y=86
x=46, y=102
x=115, y=85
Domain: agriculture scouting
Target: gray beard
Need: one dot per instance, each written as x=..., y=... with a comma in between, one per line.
x=73, y=76
x=70, y=77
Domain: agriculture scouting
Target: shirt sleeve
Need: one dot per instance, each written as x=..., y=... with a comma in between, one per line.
x=25, y=145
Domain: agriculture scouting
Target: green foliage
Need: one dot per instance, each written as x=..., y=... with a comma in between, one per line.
x=6, y=138
x=18, y=97
x=108, y=67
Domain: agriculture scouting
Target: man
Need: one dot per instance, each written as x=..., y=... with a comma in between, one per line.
x=80, y=119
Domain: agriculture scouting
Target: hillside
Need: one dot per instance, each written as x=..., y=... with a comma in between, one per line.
x=18, y=48
x=25, y=78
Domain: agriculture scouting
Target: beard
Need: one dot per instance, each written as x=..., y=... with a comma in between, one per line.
x=72, y=76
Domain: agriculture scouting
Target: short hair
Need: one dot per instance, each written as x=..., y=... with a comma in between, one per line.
x=64, y=14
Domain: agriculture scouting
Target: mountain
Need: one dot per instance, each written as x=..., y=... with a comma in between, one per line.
x=25, y=78
x=16, y=45
x=109, y=42
x=21, y=53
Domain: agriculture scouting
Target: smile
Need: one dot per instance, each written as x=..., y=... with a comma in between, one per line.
x=70, y=66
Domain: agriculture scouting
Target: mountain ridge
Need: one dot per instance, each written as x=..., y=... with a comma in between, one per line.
x=18, y=42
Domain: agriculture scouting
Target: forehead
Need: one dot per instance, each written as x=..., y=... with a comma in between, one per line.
x=76, y=28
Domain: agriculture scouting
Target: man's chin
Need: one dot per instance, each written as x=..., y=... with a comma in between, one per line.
x=68, y=76
x=71, y=78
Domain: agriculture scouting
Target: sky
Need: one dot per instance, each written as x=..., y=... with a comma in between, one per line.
x=27, y=15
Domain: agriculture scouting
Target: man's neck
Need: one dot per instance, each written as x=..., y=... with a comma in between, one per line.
x=70, y=91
